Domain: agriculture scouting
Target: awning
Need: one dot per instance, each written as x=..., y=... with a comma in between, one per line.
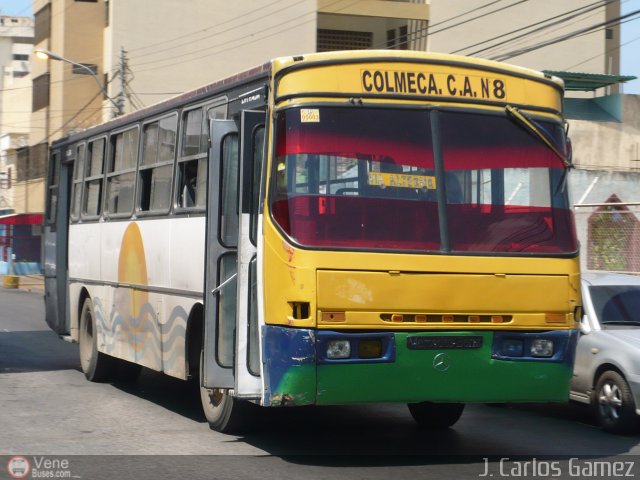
x=22, y=219
x=588, y=81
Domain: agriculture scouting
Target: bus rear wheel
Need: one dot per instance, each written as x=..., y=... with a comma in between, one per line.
x=435, y=416
x=223, y=412
x=97, y=366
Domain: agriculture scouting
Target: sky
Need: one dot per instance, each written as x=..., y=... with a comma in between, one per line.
x=630, y=35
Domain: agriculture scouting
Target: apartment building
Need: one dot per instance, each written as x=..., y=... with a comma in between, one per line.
x=16, y=39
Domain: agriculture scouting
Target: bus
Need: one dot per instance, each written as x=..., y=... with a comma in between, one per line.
x=325, y=229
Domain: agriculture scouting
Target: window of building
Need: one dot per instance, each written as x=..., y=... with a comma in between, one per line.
x=331, y=40
x=20, y=56
x=608, y=32
x=40, y=97
x=19, y=74
x=42, y=24
x=156, y=166
x=121, y=172
x=85, y=69
x=91, y=203
x=403, y=38
x=398, y=39
x=391, y=38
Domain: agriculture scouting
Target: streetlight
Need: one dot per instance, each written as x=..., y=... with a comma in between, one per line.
x=46, y=54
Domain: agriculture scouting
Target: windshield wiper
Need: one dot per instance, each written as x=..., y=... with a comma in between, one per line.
x=537, y=132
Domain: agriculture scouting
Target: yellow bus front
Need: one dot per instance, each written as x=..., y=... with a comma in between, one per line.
x=418, y=239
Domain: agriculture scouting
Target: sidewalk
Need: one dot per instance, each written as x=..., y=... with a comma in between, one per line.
x=30, y=283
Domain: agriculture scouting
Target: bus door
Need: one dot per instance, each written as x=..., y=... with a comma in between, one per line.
x=55, y=241
x=231, y=340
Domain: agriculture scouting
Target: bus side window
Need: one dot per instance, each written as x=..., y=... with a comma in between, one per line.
x=156, y=166
x=188, y=184
x=52, y=192
x=121, y=172
x=91, y=204
x=78, y=176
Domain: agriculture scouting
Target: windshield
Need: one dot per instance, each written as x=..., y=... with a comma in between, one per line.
x=368, y=179
x=616, y=304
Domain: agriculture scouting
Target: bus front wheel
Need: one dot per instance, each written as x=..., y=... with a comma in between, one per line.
x=435, y=416
x=97, y=367
x=223, y=412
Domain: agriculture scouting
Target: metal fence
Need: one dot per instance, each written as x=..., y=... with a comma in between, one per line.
x=609, y=235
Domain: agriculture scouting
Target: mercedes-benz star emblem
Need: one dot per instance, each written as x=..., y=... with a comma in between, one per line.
x=441, y=362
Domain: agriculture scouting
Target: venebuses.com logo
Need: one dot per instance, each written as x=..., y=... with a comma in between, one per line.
x=39, y=467
x=18, y=467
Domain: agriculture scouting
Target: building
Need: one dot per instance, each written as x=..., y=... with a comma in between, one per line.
x=119, y=55
x=16, y=38
x=141, y=59
x=21, y=186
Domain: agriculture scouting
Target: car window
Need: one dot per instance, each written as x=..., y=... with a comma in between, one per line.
x=616, y=304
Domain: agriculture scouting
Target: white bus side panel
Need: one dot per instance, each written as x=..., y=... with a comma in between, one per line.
x=153, y=272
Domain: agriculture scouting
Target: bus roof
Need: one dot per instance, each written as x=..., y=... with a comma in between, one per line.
x=282, y=65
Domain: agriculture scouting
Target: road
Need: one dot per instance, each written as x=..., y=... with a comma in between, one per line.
x=48, y=409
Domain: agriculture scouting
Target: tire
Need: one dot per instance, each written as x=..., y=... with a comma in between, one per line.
x=97, y=367
x=435, y=416
x=613, y=404
x=224, y=413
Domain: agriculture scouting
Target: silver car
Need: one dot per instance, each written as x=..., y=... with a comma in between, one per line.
x=607, y=365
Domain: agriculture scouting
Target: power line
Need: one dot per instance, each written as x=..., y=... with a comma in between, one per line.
x=198, y=52
x=562, y=38
x=82, y=109
x=596, y=5
x=602, y=54
x=240, y=16
x=479, y=16
x=425, y=30
x=465, y=13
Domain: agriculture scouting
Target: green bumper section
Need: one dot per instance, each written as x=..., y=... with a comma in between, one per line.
x=426, y=366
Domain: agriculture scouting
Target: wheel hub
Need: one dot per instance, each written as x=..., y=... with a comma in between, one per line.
x=610, y=401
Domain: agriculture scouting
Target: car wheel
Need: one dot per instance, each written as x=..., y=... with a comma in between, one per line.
x=435, y=416
x=614, y=405
x=97, y=366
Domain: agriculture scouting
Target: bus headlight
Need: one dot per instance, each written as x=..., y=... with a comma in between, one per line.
x=541, y=347
x=338, y=349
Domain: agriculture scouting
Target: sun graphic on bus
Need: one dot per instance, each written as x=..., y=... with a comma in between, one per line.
x=132, y=270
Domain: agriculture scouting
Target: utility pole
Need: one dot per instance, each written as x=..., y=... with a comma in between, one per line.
x=122, y=68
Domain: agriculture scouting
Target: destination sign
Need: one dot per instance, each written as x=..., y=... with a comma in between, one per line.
x=402, y=180
x=433, y=84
